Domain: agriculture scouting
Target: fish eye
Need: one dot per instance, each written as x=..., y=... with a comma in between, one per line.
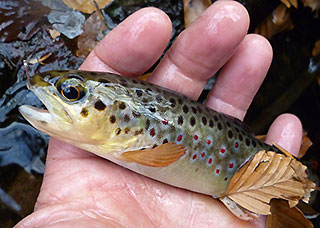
x=71, y=93
x=71, y=89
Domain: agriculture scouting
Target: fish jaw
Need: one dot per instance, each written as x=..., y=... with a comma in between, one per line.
x=52, y=121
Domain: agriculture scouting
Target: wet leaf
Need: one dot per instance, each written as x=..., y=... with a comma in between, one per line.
x=266, y=176
x=282, y=215
x=86, y=6
x=288, y=3
x=20, y=19
x=54, y=33
x=193, y=9
x=92, y=33
x=316, y=48
x=313, y=4
x=279, y=21
x=305, y=144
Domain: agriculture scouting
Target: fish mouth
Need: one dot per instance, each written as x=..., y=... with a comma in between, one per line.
x=50, y=120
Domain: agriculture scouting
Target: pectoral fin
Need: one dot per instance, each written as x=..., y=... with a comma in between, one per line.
x=160, y=156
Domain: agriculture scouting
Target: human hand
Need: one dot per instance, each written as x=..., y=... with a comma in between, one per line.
x=83, y=190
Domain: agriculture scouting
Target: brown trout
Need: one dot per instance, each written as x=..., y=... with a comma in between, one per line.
x=143, y=127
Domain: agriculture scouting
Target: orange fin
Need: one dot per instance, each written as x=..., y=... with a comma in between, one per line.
x=160, y=156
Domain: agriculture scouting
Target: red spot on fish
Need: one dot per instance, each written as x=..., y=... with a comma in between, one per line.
x=179, y=138
x=165, y=122
x=222, y=150
x=230, y=165
x=165, y=141
x=217, y=171
x=202, y=154
x=152, y=132
x=208, y=141
x=195, y=137
x=210, y=161
x=194, y=156
x=236, y=145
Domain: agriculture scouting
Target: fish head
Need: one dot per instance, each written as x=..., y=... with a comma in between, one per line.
x=73, y=106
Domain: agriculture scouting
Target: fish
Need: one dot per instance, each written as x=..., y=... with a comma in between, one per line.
x=143, y=127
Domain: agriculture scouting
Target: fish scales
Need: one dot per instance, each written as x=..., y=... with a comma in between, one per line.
x=118, y=114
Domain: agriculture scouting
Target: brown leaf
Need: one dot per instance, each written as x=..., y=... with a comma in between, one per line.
x=193, y=9
x=282, y=215
x=288, y=3
x=92, y=33
x=279, y=21
x=305, y=144
x=316, y=48
x=313, y=4
x=266, y=176
x=86, y=6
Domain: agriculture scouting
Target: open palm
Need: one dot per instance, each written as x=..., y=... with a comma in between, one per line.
x=82, y=190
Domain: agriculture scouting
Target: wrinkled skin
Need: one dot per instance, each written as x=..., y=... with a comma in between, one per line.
x=82, y=190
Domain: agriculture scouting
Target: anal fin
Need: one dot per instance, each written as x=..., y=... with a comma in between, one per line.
x=160, y=156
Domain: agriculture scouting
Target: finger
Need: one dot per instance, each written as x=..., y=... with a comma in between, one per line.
x=134, y=45
x=202, y=48
x=241, y=77
x=286, y=131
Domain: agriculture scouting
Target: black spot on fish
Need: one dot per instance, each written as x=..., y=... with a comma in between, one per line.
x=126, y=118
x=149, y=91
x=152, y=109
x=165, y=141
x=102, y=80
x=118, y=131
x=230, y=134
x=94, y=73
x=247, y=142
x=139, y=92
x=173, y=102
x=123, y=82
x=211, y=123
x=226, y=178
x=135, y=81
x=204, y=120
x=158, y=98
x=138, y=132
x=122, y=106
x=194, y=110
x=240, y=137
x=192, y=121
x=254, y=144
x=143, y=83
x=180, y=120
x=185, y=109
x=199, y=109
x=126, y=130
x=237, y=129
x=99, y=105
x=136, y=114
x=219, y=126
x=179, y=101
x=228, y=124
x=112, y=119
x=215, y=117
x=84, y=112
x=147, y=124
x=145, y=100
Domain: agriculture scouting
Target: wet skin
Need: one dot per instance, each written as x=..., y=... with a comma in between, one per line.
x=83, y=190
